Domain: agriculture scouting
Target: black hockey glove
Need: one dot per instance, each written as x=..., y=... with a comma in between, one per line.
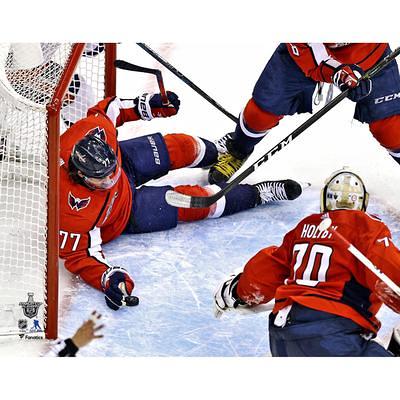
x=117, y=286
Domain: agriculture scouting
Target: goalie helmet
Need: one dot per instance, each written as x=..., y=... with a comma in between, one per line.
x=344, y=190
x=94, y=163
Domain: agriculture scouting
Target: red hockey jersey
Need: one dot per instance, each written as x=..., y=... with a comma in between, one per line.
x=317, y=271
x=319, y=60
x=89, y=218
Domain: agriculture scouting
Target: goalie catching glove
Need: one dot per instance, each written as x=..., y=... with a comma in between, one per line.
x=150, y=105
x=348, y=76
x=117, y=286
x=225, y=297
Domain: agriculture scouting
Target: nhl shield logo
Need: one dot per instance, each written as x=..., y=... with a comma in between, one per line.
x=30, y=307
x=22, y=324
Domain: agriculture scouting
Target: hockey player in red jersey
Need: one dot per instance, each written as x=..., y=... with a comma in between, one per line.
x=325, y=299
x=99, y=194
x=286, y=87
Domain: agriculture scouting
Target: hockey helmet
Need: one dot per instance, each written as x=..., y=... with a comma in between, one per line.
x=344, y=190
x=96, y=162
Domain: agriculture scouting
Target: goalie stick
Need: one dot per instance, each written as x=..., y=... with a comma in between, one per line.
x=185, y=201
x=326, y=225
x=125, y=65
x=186, y=80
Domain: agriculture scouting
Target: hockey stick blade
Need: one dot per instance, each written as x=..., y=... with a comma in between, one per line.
x=178, y=199
x=121, y=64
x=127, y=66
x=181, y=200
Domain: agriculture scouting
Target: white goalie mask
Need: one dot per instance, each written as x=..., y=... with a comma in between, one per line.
x=344, y=190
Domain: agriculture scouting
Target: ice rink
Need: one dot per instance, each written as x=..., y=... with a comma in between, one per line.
x=177, y=271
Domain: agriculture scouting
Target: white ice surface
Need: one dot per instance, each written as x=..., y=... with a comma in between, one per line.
x=177, y=271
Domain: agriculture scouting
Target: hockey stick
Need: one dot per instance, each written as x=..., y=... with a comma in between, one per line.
x=326, y=225
x=181, y=200
x=121, y=64
x=188, y=82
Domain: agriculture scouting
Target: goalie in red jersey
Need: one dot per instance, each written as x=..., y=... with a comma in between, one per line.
x=100, y=197
x=325, y=298
x=286, y=87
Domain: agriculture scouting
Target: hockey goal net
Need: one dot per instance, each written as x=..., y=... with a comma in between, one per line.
x=44, y=88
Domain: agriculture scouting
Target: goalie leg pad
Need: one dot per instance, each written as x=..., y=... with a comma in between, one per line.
x=190, y=151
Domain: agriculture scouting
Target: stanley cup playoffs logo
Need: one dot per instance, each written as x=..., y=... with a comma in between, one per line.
x=30, y=307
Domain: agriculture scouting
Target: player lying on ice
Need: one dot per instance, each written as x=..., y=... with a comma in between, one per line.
x=286, y=87
x=99, y=194
x=325, y=299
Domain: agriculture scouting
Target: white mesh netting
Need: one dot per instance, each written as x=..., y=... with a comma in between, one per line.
x=29, y=75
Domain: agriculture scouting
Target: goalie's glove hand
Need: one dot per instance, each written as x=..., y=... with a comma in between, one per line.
x=150, y=105
x=348, y=76
x=387, y=296
x=225, y=297
x=117, y=285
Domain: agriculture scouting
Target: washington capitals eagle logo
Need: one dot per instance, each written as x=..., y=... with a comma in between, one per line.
x=76, y=203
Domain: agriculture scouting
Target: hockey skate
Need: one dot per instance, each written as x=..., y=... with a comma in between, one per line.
x=229, y=161
x=220, y=144
x=287, y=189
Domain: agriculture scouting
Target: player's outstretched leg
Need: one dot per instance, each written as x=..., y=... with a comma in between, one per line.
x=241, y=197
x=152, y=213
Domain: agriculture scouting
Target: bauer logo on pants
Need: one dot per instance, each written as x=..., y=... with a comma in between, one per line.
x=30, y=307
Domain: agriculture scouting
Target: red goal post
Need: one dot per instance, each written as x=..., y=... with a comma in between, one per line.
x=44, y=88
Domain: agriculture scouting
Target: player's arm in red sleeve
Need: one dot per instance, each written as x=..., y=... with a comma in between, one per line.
x=145, y=107
x=265, y=272
x=83, y=256
x=385, y=255
x=118, y=111
x=314, y=60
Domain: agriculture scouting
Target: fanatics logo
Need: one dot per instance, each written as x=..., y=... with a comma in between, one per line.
x=76, y=203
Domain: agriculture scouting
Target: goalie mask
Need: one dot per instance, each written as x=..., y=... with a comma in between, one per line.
x=344, y=190
x=94, y=163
